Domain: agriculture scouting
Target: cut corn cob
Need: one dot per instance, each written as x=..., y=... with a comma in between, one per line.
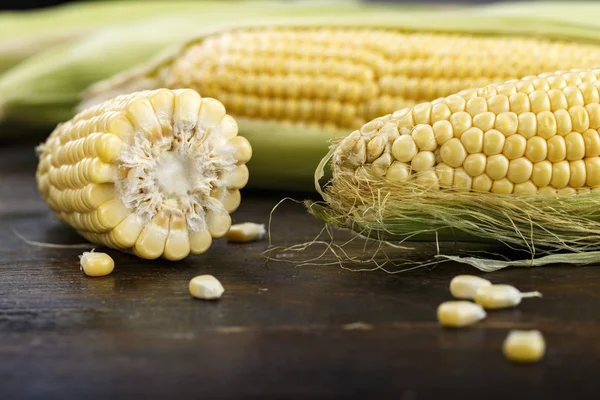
x=500, y=166
x=152, y=172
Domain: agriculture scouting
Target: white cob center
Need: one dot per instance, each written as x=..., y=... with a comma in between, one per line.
x=182, y=172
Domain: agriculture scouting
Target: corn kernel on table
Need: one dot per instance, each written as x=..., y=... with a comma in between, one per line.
x=279, y=331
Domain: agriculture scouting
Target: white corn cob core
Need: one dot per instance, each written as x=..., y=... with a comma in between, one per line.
x=154, y=172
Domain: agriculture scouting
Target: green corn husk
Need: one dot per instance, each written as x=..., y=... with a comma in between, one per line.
x=281, y=152
x=45, y=89
x=25, y=33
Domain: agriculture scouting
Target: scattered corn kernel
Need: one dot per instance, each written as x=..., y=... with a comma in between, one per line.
x=206, y=287
x=96, y=264
x=524, y=346
x=457, y=314
x=246, y=232
x=501, y=296
x=465, y=286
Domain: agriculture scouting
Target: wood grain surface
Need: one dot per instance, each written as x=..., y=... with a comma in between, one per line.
x=279, y=332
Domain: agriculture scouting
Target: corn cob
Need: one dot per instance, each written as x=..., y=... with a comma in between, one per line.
x=307, y=78
x=501, y=165
x=153, y=172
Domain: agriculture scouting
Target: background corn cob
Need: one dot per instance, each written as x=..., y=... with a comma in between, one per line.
x=517, y=163
x=310, y=76
x=153, y=172
x=25, y=33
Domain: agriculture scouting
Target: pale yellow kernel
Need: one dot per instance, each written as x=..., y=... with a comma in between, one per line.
x=163, y=102
x=472, y=140
x=475, y=164
x=540, y=84
x=560, y=174
x=459, y=313
x=422, y=161
x=243, y=152
x=507, y=123
x=537, y=149
x=519, y=103
x=428, y=179
x=546, y=124
x=574, y=96
x=593, y=111
x=566, y=191
x=527, y=125
x=498, y=104
x=218, y=223
x=440, y=112
x=461, y=121
x=589, y=93
x=539, y=101
x=231, y=200
x=141, y=113
x=406, y=120
x=542, y=173
x=455, y=102
x=497, y=166
x=375, y=148
x=424, y=137
x=127, y=231
x=110, y=213
x=493, y=142
x=398, y=172
x=557, y=148
x=177, y=245
x=151, y=242
x=462, y=180
x=96, y=264
x=575, y=146
x=579, y=118
x=592, y=143
x=502, y=186
x=200, y=241
x=494, y=297
x=476, y=105
x=445, y=174
x=422, y=113
x=524, y=346
x=556, y=82
x=592, y=166
x=558, y=100
x=109, y=148
x=514, y=147
x=442, y=130
x=524, y=86
x=187, y=106
x=404, y=148
x=525, y=188
x=206, y=287
x=482, y=183
x=563, y=122
x=519, y=170
x=238, y=177
x=380, y=166
x=484, y=121
x=453, y=153
x=547, y=191
x=211, y=113
x=246, y=232
x=578, y=173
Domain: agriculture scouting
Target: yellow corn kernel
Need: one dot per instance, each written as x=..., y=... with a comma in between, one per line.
x=96, y=264
x=453, y=153
x=206, y=287
x=465, y=286
x=501, y=296
x=459, y=313
x=524, y=346
x=246, y=232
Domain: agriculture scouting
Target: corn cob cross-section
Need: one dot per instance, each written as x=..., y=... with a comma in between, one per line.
x=152, y=172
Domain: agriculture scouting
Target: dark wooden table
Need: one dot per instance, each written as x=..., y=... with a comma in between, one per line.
x=280, y=331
